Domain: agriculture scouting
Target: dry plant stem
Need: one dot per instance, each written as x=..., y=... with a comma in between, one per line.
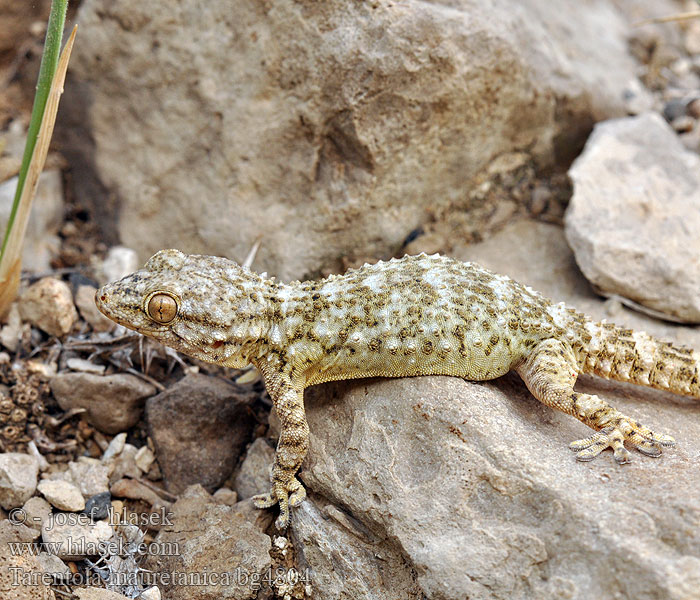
x=10, y=266
x=669, y=19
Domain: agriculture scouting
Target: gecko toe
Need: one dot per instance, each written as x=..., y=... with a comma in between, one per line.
x=264, y=500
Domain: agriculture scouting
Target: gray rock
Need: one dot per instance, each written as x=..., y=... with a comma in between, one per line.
x=18, y=478
x=98, y=506
x=48, y=305
x=214, y=538
x=62, y=494
x=476, y=486
x=634, y=218
x=254, y=475
x=74, y=536
x=114, y=403
x=358, y=99
x=199, y=427
x=120, y=261
x=342, y=559
x=36, y=510
x=18, y=572
x=85, y=301
x=92, y=593
x=124, y=464
x=41, y=241
x=225, y=496
x=54, y=566
x=90, y=475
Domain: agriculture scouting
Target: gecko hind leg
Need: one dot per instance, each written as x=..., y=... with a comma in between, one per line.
x=550, y=372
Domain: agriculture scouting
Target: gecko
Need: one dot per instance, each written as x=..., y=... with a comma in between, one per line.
x=418, y=315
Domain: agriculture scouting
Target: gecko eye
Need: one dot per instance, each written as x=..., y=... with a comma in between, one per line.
x=162, y=308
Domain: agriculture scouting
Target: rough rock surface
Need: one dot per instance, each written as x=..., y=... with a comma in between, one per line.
x=345, y=560
x=18, y=478
x=48, y=304
x=216, y=539
x=634, y=218
x=114, y=403
x=199, y=427
x=16, y=572
x=344, y=119
x=92, y=593
x=473, y=486
x=254, y=476
x=62, y=494
x=75, y=535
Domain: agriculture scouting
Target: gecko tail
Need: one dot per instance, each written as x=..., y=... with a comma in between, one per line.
x=636, y=357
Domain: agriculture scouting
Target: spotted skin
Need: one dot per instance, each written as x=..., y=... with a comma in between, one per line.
x=420, y=315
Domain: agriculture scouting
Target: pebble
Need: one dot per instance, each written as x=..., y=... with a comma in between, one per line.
x=18, y=478
x=254, y=475
x=93, y=593
x=683, y=124
x=84, y=366
x=225, y=496
x=124, y=464
x=36, y=510
x=85, y=301
x=90, y=475
x=11, y=332
x=98, y=506
x=152, y=593
x=62, y=494
x=115, y=447
x=674, y=108
x=144, y=458
x=114, y=403
x=76, y=535
x=135, y=490
x=48, y=305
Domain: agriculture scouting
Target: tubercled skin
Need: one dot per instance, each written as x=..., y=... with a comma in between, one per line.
x=419, y=315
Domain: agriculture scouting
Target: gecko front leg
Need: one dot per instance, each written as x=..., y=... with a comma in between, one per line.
x=286, y=489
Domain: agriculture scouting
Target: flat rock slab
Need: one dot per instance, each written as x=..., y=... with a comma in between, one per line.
x=634, y=219
x=476, y=486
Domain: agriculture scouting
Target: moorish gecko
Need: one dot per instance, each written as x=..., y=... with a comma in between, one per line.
x=419, y=315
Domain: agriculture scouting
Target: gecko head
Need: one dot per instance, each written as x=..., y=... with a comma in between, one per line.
x=204, y=306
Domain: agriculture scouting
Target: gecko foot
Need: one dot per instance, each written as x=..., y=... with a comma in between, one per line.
x=287, y=494
x=614, y=436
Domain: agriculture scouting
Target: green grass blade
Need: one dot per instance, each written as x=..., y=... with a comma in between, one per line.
x=47, y=70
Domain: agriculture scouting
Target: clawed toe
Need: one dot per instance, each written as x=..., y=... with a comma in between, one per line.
x=642, y=439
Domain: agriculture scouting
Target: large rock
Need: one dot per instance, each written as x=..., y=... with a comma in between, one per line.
x=634, y=218
x=18, y=478
x=213, y=539
x=199, y=428
x=21, y=574
x=338, y=123
x=476, y=487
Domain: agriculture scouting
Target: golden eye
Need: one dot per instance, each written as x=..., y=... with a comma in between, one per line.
x=162, y=308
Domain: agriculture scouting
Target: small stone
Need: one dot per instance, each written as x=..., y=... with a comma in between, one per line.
x=114, y=403
x=683, y=124
x=152, y=593
x=674, y=108
x=62, y=494
x=93, y=593
x=11, y=332
x=254, y=476
x=199, y=442
x=144, y=458
x=85, y=301
x=84, y=366
x=225, y=496
x=694, y=108
x=36, y=510
x=18, y=478
x=135, y=490
x=119, y=262
x=637, y=97
x=37, y=367
x=75, y=534
x=115, y=447
x=48, y=305
x=124, y=464
x=98, y=506
x=51, y=564
x=90, y=475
